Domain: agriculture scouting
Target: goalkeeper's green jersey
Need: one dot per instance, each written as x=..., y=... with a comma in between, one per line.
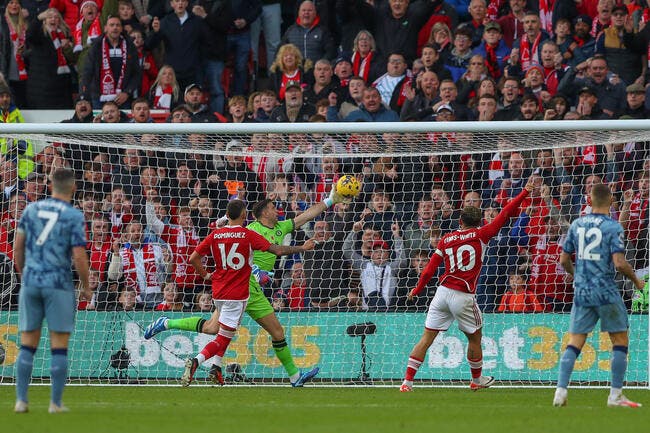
x=275, y=235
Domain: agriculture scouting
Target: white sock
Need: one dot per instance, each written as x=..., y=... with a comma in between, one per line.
x=615, y=392
x=294, y=377
x=201, y=358
x=408, y=383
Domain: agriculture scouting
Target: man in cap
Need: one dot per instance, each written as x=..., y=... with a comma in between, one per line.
x=636, y=102
x=587, y=105
x=201, y=113
x=293, y=109
x=584, y=44
x=493, y=49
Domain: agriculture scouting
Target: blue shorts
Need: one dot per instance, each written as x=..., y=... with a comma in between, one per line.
x=56, y=305
x=613, y=318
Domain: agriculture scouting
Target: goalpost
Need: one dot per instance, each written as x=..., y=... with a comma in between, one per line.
x=343, y=306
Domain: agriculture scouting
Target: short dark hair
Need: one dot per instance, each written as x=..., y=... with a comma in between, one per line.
x=235, y=209
x=63, y=180
x=259, y=207
x=600, y=195
x=139, y=101
x=471, y=216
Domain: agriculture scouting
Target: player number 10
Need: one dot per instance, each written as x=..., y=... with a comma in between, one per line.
x=457, y=259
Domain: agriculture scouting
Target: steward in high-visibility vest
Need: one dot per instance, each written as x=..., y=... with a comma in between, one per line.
x=24, y=150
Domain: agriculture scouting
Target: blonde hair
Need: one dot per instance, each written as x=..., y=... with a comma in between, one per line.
x=175, y=89
x=436, y=28
x=21, y=22
x=278, y=64
x=62, y=25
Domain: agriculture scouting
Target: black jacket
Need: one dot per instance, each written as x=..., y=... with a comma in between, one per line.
x=215, y=30
x=182, y=42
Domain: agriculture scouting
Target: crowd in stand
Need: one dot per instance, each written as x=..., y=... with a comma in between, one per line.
x=327, y=61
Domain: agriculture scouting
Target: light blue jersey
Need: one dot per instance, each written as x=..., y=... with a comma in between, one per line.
x=52, y=228
x=594, y=238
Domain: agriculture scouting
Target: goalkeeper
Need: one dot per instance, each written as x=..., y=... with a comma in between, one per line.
x=259, y=308
x=640, y=298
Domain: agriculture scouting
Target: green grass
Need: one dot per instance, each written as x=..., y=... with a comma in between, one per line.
x=331, y=410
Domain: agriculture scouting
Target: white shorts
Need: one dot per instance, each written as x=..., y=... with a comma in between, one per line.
x=449, y=305
x=230, y=312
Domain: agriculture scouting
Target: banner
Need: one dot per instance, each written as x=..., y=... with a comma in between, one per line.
x=516, y=347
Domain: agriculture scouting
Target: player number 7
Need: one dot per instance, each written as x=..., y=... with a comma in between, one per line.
x=51, y=218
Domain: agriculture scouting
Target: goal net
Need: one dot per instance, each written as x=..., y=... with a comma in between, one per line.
x=149, y=193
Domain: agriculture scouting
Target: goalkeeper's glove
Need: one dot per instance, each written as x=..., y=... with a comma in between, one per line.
x=335, y=197
x=640, y=298
x=265, y=278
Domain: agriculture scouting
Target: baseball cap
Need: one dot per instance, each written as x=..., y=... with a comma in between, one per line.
x=492, y=25
x=293, y=84
x=445, y=107
x=635, y=88
x=192, y=86
x=582, y=19
x=81, y=97
x=620, y=8
x=380, y=244
x=587, y=89
x=340, y=60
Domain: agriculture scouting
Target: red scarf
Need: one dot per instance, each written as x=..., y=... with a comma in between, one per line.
x=402, y=91
x=361, y=66
x=62, y=65
x=109, y=88
x=130, y=270
x=18, y=40
x=597, y=27
x=162, y=99
x=491, y=61
x=546, y=15
x=527, y=53
x=94, y=31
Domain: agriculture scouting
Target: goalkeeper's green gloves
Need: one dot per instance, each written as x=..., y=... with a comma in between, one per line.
x=335, y=197
x=640, y=298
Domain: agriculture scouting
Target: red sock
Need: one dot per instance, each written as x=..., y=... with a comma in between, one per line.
x=219, y=345
x=412, y=367
x=476, y=366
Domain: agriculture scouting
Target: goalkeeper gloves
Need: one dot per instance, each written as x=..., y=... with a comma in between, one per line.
x=265, y=278
x=640, y=298
x=335, y=197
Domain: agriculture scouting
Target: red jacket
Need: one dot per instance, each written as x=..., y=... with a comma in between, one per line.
x=70, y=10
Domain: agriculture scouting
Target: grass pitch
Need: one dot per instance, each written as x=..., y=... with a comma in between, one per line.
x=327, y=410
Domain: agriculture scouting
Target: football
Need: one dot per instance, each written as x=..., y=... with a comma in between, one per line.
x=348, y=186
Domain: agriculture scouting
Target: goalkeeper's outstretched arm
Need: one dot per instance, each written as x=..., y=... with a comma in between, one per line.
x=319, y=208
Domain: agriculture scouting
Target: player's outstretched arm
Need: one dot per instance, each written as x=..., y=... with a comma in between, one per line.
x=285, y=250
x=195, y=261
x=624, y=268
x=508, y=211
x=80, y=259
x=319, y=208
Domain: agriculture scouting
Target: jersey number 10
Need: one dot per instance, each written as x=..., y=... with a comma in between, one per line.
x=594, y=236
x=457, y=259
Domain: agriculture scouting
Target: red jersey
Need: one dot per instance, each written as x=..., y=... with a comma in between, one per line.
x=182, y=243
x=462, y=251
x=638, y=216
x=232, y=248
x=546, y=273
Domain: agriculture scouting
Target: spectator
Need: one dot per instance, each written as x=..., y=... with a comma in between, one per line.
x=416, y=233
x=126, y=12
x=493, y=49
x=111, y=72
x=237, y=179
x=183, y=34
x=128, y=300
x=343, y=71
x=193, y=97
x=244, y=12
x=372, y=109
x=478, y=12
x=584, y=44
x=366, y=62
x=99, y=244
x=486, y=107
x=408, y=279
x=604, y=17
x=459, y=57
x=111, y=114
x=418, y=104
x=88, y=28
x=324, y=271
x=217, y=17
x=237, y=110
x=70, y=10
x=312, y=38
x=12, y=62
x=287, y=68
x=22, y=150
x=611, y=95
x=294, y=292
x=636, y=102
x=634, y=219
x=293, y=109
x=393, y=84
x=139, y=264
x=529, y=108
x=83, y=111
x=432, y=62
x=352, y=101
x=509, y=103
x=469, y=83
x=203, y=302
x=164, y=92
x=518, y=298
x=448, y=96
x=146, y=61
x=527, y=49
x=354, y=17
x=270, y=22
x=171, y=299
x=619, y=46
x=323, y=83
x=513, y=23
x=442, y=37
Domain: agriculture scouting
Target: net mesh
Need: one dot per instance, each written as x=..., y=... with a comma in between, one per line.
x=344, y=305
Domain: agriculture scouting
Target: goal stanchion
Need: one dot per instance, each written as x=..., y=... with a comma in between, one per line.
x=151, y=192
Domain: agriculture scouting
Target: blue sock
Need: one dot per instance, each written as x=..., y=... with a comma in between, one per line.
x=24, y=365
x=59, y=373
x=566, y=366
x=618, y=366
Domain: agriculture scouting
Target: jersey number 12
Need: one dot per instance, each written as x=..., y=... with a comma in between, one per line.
x=594, y=236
